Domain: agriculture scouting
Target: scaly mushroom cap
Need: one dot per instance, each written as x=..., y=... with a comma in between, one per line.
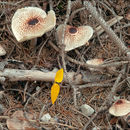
x=120, y=108
x=74, y=36
x=95, y=61
x=31, y=22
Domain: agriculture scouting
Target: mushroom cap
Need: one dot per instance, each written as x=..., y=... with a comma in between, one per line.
x=2, y=51
x=31, y=22
x=95, y=61
x=120, y=108
x=74, y=36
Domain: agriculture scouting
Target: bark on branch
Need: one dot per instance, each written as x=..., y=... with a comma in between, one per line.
x=107, y=28
x=36, y=75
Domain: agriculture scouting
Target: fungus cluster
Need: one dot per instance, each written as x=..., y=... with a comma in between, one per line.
x=31, y=22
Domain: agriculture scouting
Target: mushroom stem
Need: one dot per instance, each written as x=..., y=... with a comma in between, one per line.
x=33, y=42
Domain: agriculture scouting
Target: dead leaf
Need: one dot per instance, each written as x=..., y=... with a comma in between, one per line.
x=19, y=122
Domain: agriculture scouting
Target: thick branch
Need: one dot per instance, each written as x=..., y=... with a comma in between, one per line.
x=36, y=75
x=32, y=75
x=106, y=27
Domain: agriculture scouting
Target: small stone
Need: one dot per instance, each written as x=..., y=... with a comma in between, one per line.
x=2, y=109
x=1, y=127
x=46, y=117
x=1, y=94
x=87, y=110
x=2, y=51
x=116, y=98
x=37, y=88
x=95, y=128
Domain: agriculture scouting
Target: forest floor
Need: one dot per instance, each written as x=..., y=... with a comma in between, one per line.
x=33, y=97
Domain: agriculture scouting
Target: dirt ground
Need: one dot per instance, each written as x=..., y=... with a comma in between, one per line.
x=34, y=96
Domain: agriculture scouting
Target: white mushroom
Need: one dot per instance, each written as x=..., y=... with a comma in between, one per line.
x=31, y=22
x=120, y=108
x=95, y=61
x=74, y=36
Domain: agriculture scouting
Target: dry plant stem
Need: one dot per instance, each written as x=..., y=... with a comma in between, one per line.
x=53, y=123
x=91, y=85
x=74, y=95
x=25, y=89
x=108, y=98
x=63, y=51
x=98, y=67
x=32, y=75
x=51, y=4
x=99, y=30
x=111, y=22
x=63, y=35
x=114, y=88
x=33, y=43
x=116, y=64
x=31, y=97
x=12, y=3
x=106, y=27
x=26, y=94
x=75, y=12
x=36, y=75
x=83, y=115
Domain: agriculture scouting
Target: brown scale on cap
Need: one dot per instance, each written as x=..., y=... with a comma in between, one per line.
x=72, y=30
x=119, y=102
x=33, y=21
x=32, y=24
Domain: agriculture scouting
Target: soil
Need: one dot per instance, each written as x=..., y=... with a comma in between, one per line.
x=33, y=96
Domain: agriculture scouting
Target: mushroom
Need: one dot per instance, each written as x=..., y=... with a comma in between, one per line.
x=31, y=22
x=2, y=51
x=74, y=36
x=120, y=108
x=95, y=61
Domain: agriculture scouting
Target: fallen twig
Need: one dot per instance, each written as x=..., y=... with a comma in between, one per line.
x=116, y=64
x=99, y=30
x=113, y=64
x=108, y=98
x=31, y=75
x=37, y=75
x=107, y=28
x=91, y=85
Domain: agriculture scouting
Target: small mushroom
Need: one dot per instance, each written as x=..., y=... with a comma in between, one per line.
x=120, y=108
x=31, y=22
x=74, y=36
x=95, y=61
x=2, y=51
